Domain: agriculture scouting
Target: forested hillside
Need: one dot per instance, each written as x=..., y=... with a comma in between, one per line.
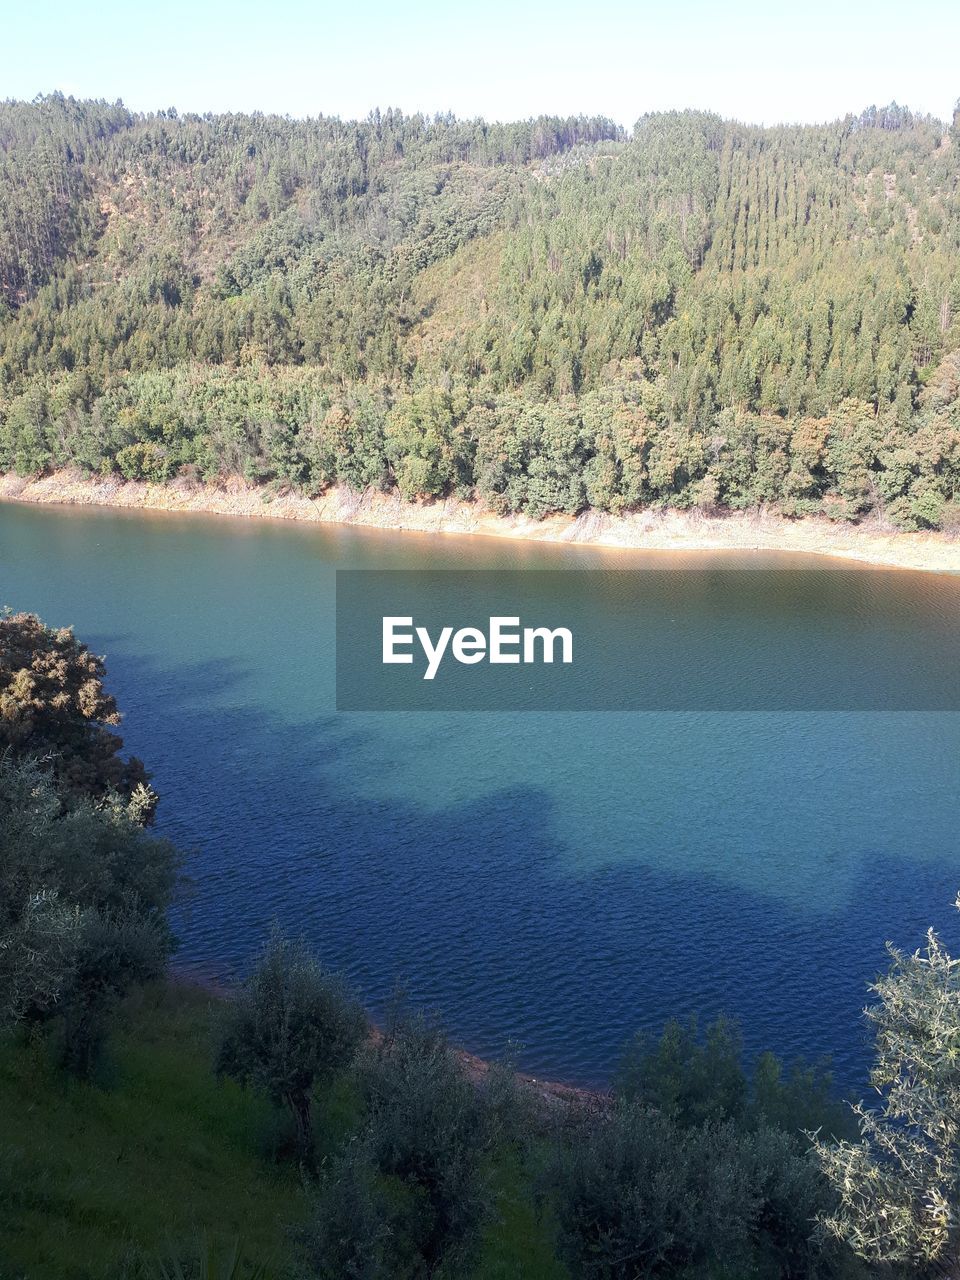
x=550, y=315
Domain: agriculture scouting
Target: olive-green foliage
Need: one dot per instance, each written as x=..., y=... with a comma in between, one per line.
x=898, y=1185
x=112, y=954
x=430, y=445
x=689, y=1080
x=53, y=706
x=83, y=898
x=639, y=1195
x=106, y=1179
x=290, y=1027
x=349, y=1236
x=431, y=1131
x=688, y=1097
x=551, y=313
x=694, y=1079
x=636, y=1196
x=798, y=1101
x=84, y=890
x=412, y=1194
x=94, y=856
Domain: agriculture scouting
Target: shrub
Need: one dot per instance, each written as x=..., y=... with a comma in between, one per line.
x=53, y=705
x=83, y=899
x=899, y=1185
x=430, y=1131
x=291, y=1027
x=689, y=1080
x=639, y=1197
x=113, y=954
x=694, y=1079
x=349, y=1234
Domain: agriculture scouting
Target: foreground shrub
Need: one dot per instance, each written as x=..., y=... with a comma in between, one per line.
x=83, y=899
x=638, y=1195
x=412, y=1194
x=686, y=1078
x=92, y=855
x=431, y=1129
x=898, y=1187
x=53, y=706
x=791, y=1194
x=694, y=1079
x=291, y=1027
x=349, y=1235
x=114, y=954
x=798, y=1101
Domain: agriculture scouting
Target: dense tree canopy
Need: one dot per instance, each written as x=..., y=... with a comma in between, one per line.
x=53, y=707
x=84, y=889
x=551, y=314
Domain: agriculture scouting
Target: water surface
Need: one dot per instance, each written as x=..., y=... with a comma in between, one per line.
x=553, y=879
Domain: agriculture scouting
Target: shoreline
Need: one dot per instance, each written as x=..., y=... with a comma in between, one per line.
x=553, y=1093
x=645, y=530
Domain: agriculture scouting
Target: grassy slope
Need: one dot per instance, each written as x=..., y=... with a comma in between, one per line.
x=100, y=1180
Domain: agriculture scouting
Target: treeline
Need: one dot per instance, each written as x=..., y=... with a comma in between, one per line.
x=611, y=448
x=782, y=304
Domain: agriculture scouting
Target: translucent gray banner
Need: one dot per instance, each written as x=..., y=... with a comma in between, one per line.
x=652, y=640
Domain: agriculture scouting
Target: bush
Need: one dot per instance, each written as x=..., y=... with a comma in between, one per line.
x=899, y=1185
x=291, y=1027
x=639, y=1197
x=113, y=954
x=83, y=900
x=429, y=1132
x=91, y=856
x=694, y=1080
x=687, y=1080
x=798, y=1101
x=53, y=705
x=349, y=1235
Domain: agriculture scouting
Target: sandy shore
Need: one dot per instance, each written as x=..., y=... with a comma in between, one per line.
x=648, y=530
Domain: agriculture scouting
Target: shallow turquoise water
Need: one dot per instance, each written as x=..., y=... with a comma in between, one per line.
x=557, y=880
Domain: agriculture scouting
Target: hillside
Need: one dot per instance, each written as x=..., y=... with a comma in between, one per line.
x=551, y=314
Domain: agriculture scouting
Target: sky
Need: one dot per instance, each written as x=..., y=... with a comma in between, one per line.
x=761, y=62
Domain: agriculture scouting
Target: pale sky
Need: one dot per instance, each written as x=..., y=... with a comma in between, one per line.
x=504, y=59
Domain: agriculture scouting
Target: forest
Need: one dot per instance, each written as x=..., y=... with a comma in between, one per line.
x=548, y=316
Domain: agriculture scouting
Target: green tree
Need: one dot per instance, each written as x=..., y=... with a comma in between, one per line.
x=53, y=706
x=688, y=1079
x=290, y=1027
x=430, y=1131
x=638, y=1197
x=899, y=1184
x=84, y=892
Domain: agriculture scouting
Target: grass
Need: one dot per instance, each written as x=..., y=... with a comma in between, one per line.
x=96, y=1176
x=104, y=1180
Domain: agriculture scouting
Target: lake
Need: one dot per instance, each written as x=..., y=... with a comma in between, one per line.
x=557, y=880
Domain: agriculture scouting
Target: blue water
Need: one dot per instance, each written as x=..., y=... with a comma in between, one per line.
x=556, y=880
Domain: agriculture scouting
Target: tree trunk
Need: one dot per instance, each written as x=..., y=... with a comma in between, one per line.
x=299, y=1104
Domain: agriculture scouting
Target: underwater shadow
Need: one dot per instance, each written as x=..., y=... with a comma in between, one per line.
x=473, y=905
